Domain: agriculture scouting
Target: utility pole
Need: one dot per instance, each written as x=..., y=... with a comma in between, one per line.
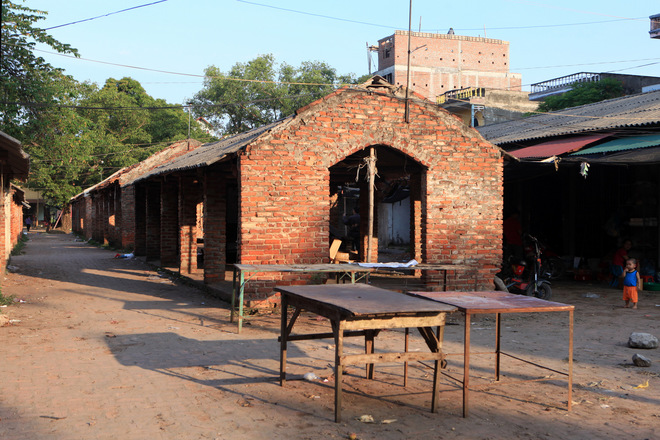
x=407, y=114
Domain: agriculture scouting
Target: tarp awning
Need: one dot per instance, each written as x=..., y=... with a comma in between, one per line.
x=557, y=147
x=622, y=144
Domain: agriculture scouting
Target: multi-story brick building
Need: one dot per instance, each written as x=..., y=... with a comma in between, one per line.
x=469, y=76
x=443, y=62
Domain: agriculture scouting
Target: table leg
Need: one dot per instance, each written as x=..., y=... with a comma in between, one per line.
x=466, y=366
x=369, y=349
x=405, y=364
x=570, y=360
x=436, y=370
x=233, y=298
x=498, y=348
x=241, y=293
x=283, y=340
x=338, y=329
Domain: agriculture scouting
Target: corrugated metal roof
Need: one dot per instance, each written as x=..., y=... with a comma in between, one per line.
x=643, y=156
x=557, y=147
x=628, y=111
x=623, y=144
x=209, y=154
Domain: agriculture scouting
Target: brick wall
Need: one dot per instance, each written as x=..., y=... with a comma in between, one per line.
x=284, y=184
x=5, y=222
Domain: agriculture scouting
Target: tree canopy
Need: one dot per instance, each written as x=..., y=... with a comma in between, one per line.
x=261, y=91
x=97, y=131
x=76, y=133
x=24, y=77
x=583, y=93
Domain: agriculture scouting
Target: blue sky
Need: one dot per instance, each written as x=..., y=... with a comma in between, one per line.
x=548, y=38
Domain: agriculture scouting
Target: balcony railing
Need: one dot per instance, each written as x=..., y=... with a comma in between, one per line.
x=464, y=94
x=564, y=81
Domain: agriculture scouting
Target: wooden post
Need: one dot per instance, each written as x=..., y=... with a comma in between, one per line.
x=372, y=177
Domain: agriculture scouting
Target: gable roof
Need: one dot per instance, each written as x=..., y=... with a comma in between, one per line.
x=629, y=111
x=209, y=154
x=129, y=174
x=17, y=161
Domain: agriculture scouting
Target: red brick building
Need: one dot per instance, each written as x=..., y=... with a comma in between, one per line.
x=15, y=165
x=105, y=212
x=269, y=196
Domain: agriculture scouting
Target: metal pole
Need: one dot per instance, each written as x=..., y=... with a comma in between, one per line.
x=408, y=69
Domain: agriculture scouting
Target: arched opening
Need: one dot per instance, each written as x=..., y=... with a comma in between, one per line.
x=394, y=198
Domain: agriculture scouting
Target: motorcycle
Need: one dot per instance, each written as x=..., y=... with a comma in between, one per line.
x=527, y=277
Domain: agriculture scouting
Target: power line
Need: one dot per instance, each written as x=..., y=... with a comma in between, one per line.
x=105, y=15
x=329, y=17
x=168, y=107
x=317, y=84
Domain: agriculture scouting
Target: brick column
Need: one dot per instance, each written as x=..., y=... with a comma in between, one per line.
x=4, y=226
x=140, y=220
x=127, y=222
x=88, y=222
x=97, y=215
x=215, y=225
x=416, y=216
x=169, y=222
x=153, y=220
x=188, y=198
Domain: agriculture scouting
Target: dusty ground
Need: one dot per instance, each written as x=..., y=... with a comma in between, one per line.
x=103, y=348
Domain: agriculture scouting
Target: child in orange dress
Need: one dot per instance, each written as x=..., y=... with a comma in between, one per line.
x=631, y=283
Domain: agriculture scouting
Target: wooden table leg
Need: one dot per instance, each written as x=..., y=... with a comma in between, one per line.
x=498, y=347
x=283, y=339
x=369, y=349
x=338, y=329
x=405, y=364
x=570, y=360
x=466, y=366
x=436, y=370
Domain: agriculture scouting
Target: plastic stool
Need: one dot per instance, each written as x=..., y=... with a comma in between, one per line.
x=647, y=278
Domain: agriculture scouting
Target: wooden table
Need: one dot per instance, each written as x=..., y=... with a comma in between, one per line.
x=477, y=303
x=363, y=310
x=343, y=271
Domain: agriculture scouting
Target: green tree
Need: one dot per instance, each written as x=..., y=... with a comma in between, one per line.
x=583, y=93
x=24, y=77
x=260, y=92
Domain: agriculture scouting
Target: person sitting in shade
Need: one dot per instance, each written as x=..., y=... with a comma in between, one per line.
x=620, y=258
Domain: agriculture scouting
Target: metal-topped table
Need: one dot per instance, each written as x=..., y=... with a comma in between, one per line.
x=363, y=310
x=343, y=271
x=476, y=303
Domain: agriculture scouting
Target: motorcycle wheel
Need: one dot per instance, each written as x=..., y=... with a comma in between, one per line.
x=542, y=291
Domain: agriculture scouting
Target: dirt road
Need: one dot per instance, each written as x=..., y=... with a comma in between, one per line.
x=104, y=348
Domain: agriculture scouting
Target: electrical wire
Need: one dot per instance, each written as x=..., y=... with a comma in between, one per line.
x=104, y=15
x=311, y=14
